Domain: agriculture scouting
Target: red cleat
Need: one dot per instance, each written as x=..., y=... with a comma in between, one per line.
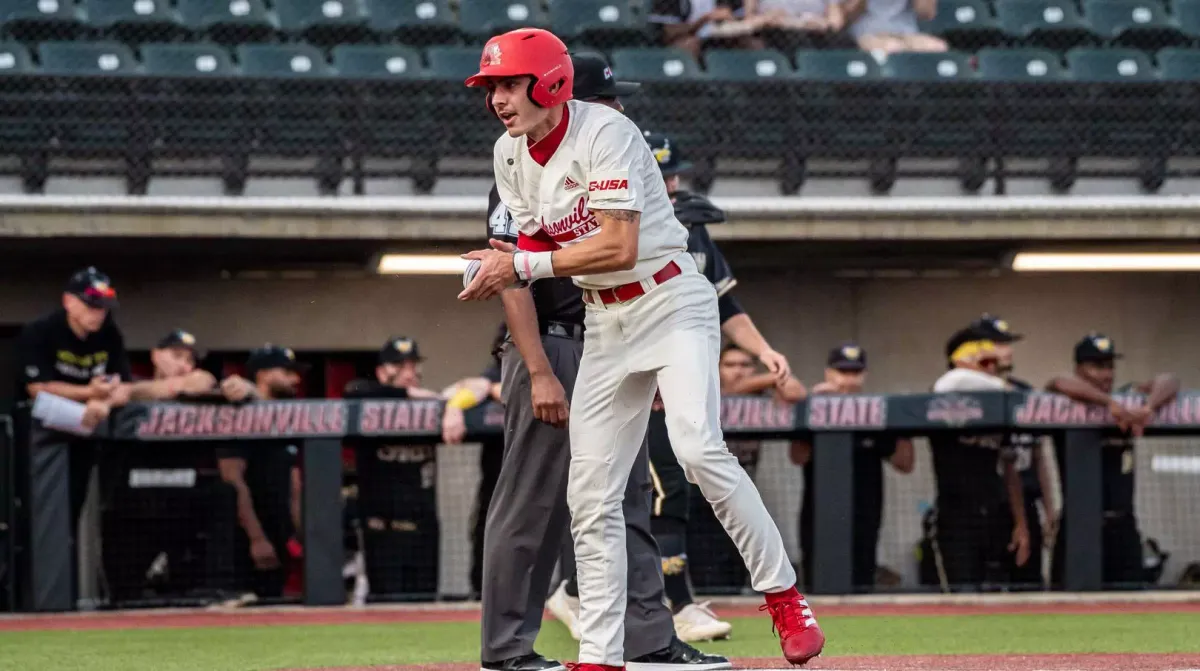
x=584, y=666
x=799, y=635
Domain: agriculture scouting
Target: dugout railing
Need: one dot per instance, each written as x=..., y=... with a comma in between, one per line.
x=831, y=421
x=341, y=131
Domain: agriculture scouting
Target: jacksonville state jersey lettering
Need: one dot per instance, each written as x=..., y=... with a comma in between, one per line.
x=575, y=225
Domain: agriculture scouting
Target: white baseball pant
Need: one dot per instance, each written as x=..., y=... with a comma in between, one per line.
x=667, y=339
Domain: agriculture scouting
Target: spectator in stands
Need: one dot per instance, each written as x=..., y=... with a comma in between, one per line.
x=265, y=476
x=845, y=373
x=76, y=352
x=980, y=507
x=397, y=484
x=1092, y=382
x=695, y=25
x=460, y=397
x=890, y=26
x=794, y=24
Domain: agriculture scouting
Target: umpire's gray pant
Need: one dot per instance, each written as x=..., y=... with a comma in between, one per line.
x=528, y=523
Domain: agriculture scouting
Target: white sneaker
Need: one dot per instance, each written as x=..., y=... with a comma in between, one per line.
x=697, y=622
x=565, y=609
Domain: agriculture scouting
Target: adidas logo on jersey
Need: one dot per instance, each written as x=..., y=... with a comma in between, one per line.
x=570, y=184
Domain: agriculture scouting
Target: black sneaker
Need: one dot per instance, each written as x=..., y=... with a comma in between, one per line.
x=530, y=662
x=678, y=656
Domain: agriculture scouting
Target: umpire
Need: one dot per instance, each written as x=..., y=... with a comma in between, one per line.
x=528, y=520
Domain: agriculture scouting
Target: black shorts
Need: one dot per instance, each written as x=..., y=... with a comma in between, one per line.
x=671, y=488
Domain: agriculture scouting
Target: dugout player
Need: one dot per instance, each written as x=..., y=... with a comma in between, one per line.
x=1092, y=382
x=980, y=508
x=76, y=352
x=265, y=476
x=397, y=494
x=527, y=523
x=845, y=373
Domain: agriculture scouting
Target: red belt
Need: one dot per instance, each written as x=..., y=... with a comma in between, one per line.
x=628, y=292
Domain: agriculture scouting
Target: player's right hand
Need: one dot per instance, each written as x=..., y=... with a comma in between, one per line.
x=549, y=400
x=263, y=554
x=777, y=364
x=102, y=386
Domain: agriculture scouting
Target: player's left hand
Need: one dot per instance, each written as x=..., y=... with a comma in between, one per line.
x=454, y=426
x=777, y=365
x=1141, y=417
x=1019, y=544
x=496, y=272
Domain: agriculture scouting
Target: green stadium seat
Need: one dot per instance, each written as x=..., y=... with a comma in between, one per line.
x=15, y=59
x=418, y=22
x=836, y=65
x=928, y=66
x=1174, y=64
x=1019, y=65
x=324, y=22
x=1051, y=24
x=481, y=19
x=229, y=22
x=1187, y=15
x=134, y=21
x=377, y=62
x=746, y=65
x=86, y=58
x=186, y=60
x=1141, y=24
x=965, y=24
x=652, y=64
x=453, y=63
x=598, y=23
x=1110, y=65
x=40, y=20
x=282, y=60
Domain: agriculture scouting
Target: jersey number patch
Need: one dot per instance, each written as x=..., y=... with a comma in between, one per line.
x=501, y=223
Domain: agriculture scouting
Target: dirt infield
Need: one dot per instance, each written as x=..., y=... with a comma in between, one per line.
x=915, y=662
x=249, y=617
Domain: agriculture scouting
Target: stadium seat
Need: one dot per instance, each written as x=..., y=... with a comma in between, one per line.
x=14, y=58
x=1187, y=16
x=39, y=20
x=746, y=65
x=453, y=63
x=134, y=21
x=482, y=19
x=835, y=65
x=417, y=22
x=282, y=60
x=229, y=22
x=1050, y=24
x=965, y=24
x=323, y=22
x=1109, y=65
x=1175, y=64
x=86, y=58
x=650, y=64
x=928, y=66
x=1141, y=24
x=598, y=23
x=377, y=62
x=1019, y=65
x=190, y=60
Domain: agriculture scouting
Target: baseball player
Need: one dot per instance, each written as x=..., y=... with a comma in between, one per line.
x=588, y=203
x=527, y=523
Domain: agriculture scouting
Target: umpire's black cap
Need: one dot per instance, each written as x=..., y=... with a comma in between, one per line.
x=665, y=153
x=995, y=328
x=1096, y=348
x=398, y=350
x=594, y=78
x=847, y=357
x=271, y=356
x=93, y=288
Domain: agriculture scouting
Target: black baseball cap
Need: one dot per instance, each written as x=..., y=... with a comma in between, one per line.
x=963, y=336
x=594, y=78
x=1096, y=347
x=92, y=287
x=995, y=329
x=848, y=357
x=273, y=356
x=398, y=350
x=178, y=339
x=666, y=154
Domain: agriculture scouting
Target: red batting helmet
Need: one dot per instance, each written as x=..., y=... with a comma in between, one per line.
x=529, y=51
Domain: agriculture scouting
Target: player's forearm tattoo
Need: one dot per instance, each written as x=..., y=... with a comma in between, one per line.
x=618, y=215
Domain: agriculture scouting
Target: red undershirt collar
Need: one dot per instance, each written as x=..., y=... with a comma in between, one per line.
x=543, y=149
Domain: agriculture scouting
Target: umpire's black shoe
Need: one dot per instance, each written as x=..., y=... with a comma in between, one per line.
x=678, y=656
x=530, y=662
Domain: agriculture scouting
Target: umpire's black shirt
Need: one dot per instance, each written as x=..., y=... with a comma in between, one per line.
x=556, y=299
x=49, y=351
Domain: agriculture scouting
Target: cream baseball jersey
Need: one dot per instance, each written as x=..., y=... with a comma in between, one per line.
x=595, y=159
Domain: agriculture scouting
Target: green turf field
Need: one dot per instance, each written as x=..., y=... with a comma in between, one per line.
x=253, y=648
